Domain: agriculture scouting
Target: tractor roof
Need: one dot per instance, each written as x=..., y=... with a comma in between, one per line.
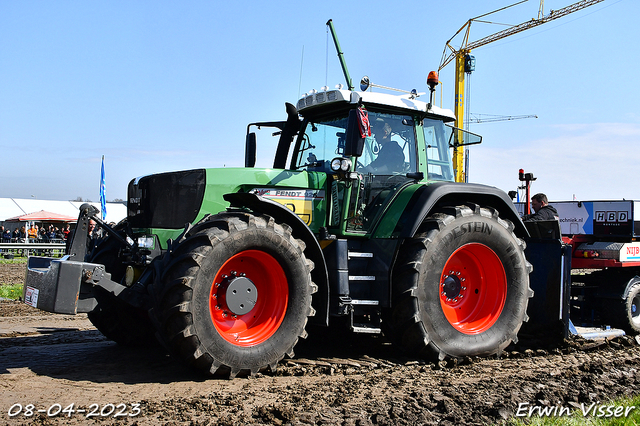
x=317, y=101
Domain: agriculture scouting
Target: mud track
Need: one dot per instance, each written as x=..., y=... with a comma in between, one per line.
x=53, y=361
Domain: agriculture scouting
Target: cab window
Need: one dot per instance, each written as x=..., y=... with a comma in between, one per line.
x=436, y=137
x=391, y=149
x=321, y=142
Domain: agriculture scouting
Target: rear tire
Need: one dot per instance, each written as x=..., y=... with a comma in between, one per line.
x=461, y=286
x=235, y=295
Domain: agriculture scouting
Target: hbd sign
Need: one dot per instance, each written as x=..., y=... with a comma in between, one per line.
x=612, y=216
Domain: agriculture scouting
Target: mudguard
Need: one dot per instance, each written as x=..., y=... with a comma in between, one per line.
x=451, y=194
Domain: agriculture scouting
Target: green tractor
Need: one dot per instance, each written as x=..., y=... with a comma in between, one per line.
x=358, y=222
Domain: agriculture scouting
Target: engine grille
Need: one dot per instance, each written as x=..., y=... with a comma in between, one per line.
x=166, y=200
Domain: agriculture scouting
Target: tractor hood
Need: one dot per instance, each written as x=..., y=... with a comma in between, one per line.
x=171, y=200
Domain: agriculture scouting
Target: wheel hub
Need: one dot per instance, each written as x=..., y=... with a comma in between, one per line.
x=452, y=288
x=241, y=295
x=235, y=295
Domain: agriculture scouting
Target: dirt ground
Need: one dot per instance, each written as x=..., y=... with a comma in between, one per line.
x=58, y=369
x=12, y=273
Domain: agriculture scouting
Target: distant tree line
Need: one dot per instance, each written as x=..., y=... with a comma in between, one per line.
x=115, y=200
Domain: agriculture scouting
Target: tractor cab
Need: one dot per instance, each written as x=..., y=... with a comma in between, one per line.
x=372, y=145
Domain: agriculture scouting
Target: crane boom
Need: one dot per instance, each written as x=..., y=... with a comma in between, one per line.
x=554, y=14
x=460, y=67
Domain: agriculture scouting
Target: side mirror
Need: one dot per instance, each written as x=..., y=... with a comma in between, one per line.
x=460, y=137
x=354, y=143
x=250, y=150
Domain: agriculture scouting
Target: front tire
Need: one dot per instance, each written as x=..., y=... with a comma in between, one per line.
x=461, y=286
x=235, y=295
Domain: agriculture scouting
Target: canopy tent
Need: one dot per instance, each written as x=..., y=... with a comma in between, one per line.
x=42, y=216
x=13, y=207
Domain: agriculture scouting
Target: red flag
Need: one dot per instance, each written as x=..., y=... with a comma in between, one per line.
x=363, y=119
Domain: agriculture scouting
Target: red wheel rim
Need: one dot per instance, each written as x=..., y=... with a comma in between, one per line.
x=473, y=288
x=269, y=281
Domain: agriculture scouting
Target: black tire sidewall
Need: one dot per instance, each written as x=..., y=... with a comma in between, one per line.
x=293, y=264
x=486, y=231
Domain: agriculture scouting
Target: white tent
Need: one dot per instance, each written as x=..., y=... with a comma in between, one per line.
x=12, y=207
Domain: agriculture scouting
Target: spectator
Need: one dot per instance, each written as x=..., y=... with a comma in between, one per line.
x=66, y=232
x=543, y=211
x=33, y=233
x=6, y=236
x=91, y=238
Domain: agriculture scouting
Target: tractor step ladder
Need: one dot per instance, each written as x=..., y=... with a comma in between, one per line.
x=355, y=327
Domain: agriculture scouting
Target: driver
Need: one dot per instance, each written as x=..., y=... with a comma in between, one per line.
x=390, y=157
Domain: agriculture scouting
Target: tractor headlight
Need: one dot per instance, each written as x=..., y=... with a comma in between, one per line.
x=146, y=242
x=340, y=164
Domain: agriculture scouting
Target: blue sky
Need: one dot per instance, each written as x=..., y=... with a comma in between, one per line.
x=156, y=86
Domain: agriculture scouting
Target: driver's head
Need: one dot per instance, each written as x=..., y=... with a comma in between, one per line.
x=381, y=129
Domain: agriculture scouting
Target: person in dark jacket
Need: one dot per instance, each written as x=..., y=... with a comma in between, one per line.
x=391, y=156
x=543, y=211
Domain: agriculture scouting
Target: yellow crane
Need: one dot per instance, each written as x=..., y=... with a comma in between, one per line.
x=465, y=62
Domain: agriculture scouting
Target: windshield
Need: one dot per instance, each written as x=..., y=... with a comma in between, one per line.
x=390, y=150
x=321, y=142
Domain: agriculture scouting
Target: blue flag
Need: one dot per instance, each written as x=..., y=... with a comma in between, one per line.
x=103, y=200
